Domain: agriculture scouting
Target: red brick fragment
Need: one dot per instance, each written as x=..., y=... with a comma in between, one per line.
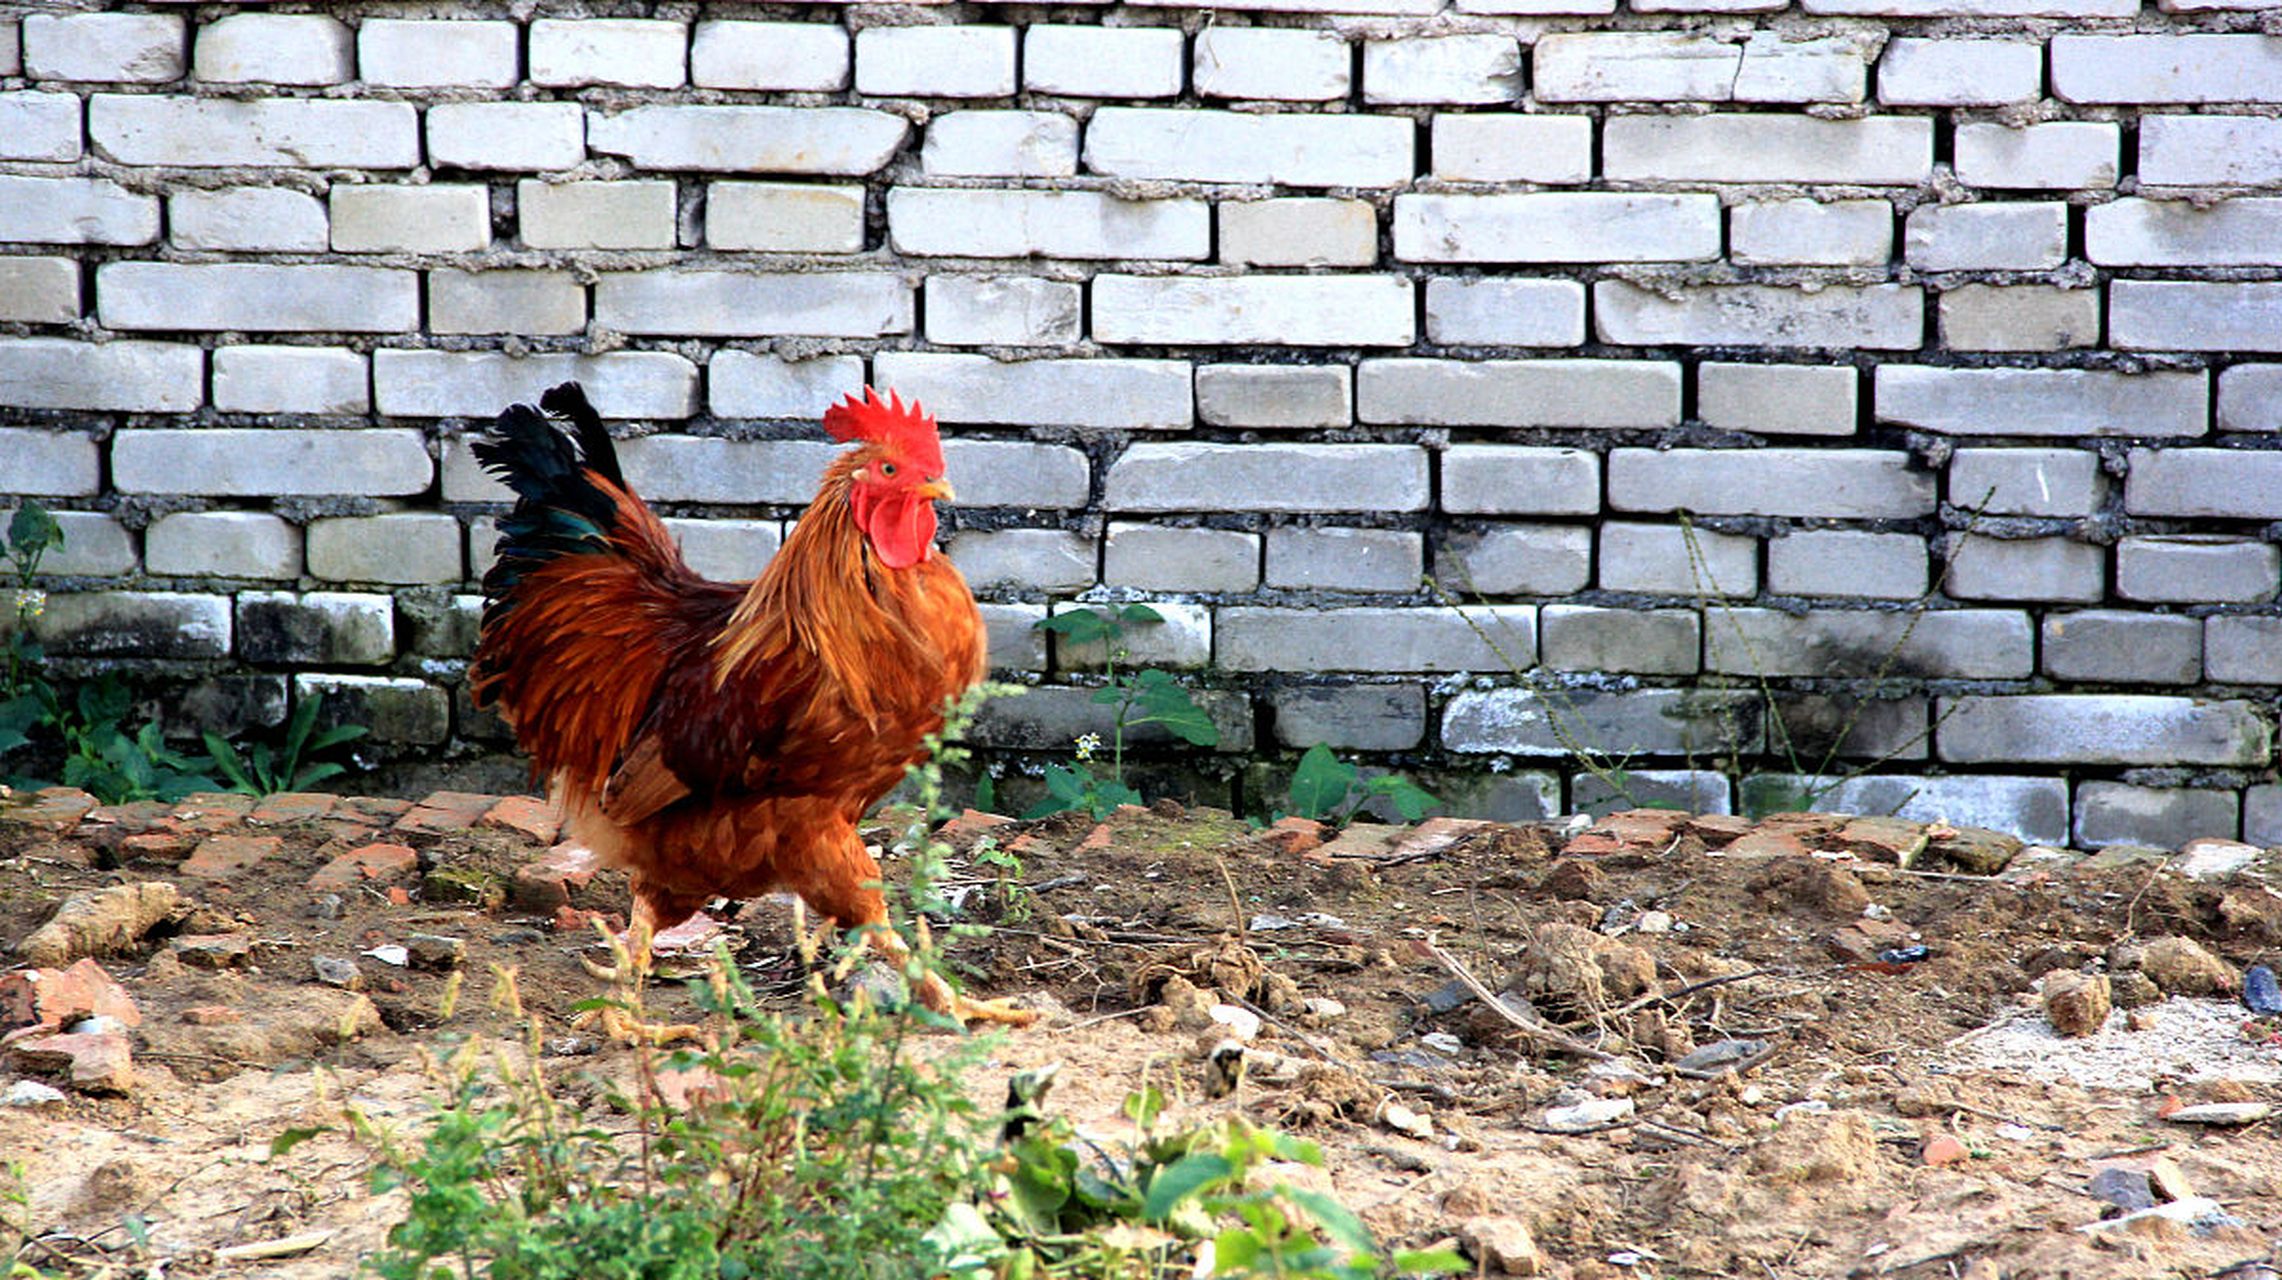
x=399, y=896
x=52, y=809
x=1717, y=830
x=530, y=815
x=1594, y=843
x=220, y=857
x=292, y=806
x=444, y=812
x=95, y=1062
x=965, y=829
x=1436, y=834
x=1294, y=836
x=1944, y=1149
x=132, y=818
x=1771, y=843
x=55, y=997
x=380, y=861
x=211, y=1015
x=1098, y=838
x=546, y=882
x=378, y=808
x=158, y=846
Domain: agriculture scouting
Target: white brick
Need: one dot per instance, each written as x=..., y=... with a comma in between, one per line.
x=1409, y=391
x=2047, y=569
x=1490, y=638
x=1517, y=560
x=39, y=126
x=1305, y=231
x=2194, y=315
x=290, y=380
x=1014, y=311
x=1882, y=316
x=276, y=219
x=506, y=135
x=731, y=304
x=1623, y=66
x=1023, y=559
x=1011, y=636
x=741, y=384
x=2167, y=68
x=1557, y=226
x=2027, y=482
x=2240, y=232
x=132, y=377
x=154, y=129
x=1001, y=144
x=673, y=468
x=57, y=463
x=1497, y=147
x=2059, y=156
x=223, y=544
x=74, y=211
x=1225, y=146
x=1015, y=473
x=257, y=297
x=1304, y=311
x=479, y=384
x=2044, y=402
x=1504, y=311
x=512, y=301
x=39, y=290
x=422, y=54
x=1847, y=563
x=784, y=217
x=1274, y=396
x=1970, y=644
x=974, y=223
x=1777, y=399
x=769, y=55
x=2187, y=151
x=1509, y=479
x=1268, y=477
x=1811, y=233
x=1103, y=62
x=1978, y=8
x=595, y=215
x=1866, y=484
x=736, y=139
x=1987, y=237
x=1160, y=558
x=1534, y=8
x=1434, y=69
x=444, y=218
x=1121, y=394
x=1332, y=559
x=1960, y=73
x=1271, y=63
x=2027, y=317
x=94, y=545
x=270, y=462
x=2250, y=398
x=636, y=53
x=2196, y=569
x=143, y=48
x=1676, y=560
x=1878, y=151
x=407, y=548
x=2225, y=484
x=936, y=62
x=727, y=550
x=275, y=48
x=11, y=48
x=2100, y=729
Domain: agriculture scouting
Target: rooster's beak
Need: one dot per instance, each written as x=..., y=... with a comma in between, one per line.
x=938, y=490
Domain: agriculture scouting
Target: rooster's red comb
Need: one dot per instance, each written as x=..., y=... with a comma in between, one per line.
x=906, y=428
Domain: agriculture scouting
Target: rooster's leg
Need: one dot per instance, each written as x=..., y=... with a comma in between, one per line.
x=936, y=994
x=617, y=1019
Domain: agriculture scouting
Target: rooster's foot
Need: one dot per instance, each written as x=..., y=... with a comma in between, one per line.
x=625, y=1028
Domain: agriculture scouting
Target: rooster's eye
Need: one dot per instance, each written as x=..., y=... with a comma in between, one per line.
x=887, y=468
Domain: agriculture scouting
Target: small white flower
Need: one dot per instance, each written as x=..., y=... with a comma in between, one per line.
x=30, y=602
x=1087, y=745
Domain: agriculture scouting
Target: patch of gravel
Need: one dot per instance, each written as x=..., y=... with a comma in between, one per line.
x=2190, y=1041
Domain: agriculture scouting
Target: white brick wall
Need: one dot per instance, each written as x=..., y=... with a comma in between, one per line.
x=635, y=53
x=769, y=55
x=1272, y=64
x=275, y=48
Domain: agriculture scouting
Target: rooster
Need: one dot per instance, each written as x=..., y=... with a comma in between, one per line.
x=722, y=739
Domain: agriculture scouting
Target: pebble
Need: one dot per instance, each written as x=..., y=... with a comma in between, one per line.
x=2126, y=1189
x=1321, y=1009
x=433, y=951
x=328, y=906
x=2222, y=1113
x=1403, y=1120
x=1592, y=1113
x=336, y=972
x=30, y=1093
x=1443, y=1042
x=1654, y=922
x=1719, y=1056
x=2261, y=993
x=1242, y=1023
x=573, y=1046
x=1944, y=1149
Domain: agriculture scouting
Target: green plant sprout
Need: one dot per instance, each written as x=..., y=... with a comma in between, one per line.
x=262, y=772
x=1138, y=698
x=1333, y=791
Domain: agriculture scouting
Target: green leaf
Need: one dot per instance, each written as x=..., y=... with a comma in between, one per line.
x=1163, y=701
x=1235, y=1251
x=1178, y=1181
x=1429, y=1262
x=292, y=1138
x=1143, y=1106
x=31, y=531
x=1320, y=783
x=1109, y=695
x=1139, y=613
x=10, y=739
x=1079, y=626
x=1336, y=1220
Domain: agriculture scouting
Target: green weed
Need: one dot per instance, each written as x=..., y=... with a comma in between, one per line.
x=1137, y=698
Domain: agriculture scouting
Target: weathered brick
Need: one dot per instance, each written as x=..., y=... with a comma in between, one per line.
x=145, y=48
x=1836, y=233
x=316, y=628
x=250, y=379
x=2045, y=402
x=1676, y=560
x=1017, y=473
x=2124, y=647
x=962, y=388
x=714, y=303
x=39, y=126
x=386, y=218
x=741, y=384
x=1829, y=483
x=1001, y=144
x=1014, y=311
x=1918, y=72
x=1351, y=717
x=1271, y=63
x=2194, y=315
x=2167, y=68
x=408, y=547
x=635, y=53
x=1301, y=232
x=397, y=709
x=1292, y=150
x=727, y=550
x=133, y=377
x=1336, y=559
x=1847, y=563
x=2250, y=398
x=39, y=290
x=223, y=544
x=1963, y=644
x=2179, y=233
x=524, y=302
x=1252, y=395
x=1419, y=68
x=146, y=624
x=56, y=463
x=74, y=211
x=2028, y=317
x=270, y=462
x=1012, y=636
x=94, y=545
x=1987, y=237
x=1023, y=559
x=2127, y=729
x=973, y=223
x=479, y=384
x=1557, y=226
x=2243, y=648
x=1984, y=568
x=413, y=53
x=1518, y=393
x=1687, y=790
x=2196, y=568
x=255, y=296
x=1977, y=8
x=1373, y=639
x=275, y=48
x=1778, y=399
x=2164, y=817
x=784, y=217
x=1876, y=151
x=1268, y=477
x=595, y=215
x=11, y=48
x=1182, y=637
x=1620, y=66
x=258, y=218
x=1161, y=558
x=2187, y=151
x=1494, y=479
x=506, y=135
x=2035, y=809
x=748, y=139
x=936, y=62
x=1642, y=641
x=1495, y=147
x=769, y=55
x=1516, y=560
x=153, y=129
x=1307, y=311
x=675, y=468
x=1647, y=722
x=2027, y=482
x=1051, y=718
x=1888, y=316
x=1103, y=62
x=2227, y=484
x=1505, y=312
x=2060, y=155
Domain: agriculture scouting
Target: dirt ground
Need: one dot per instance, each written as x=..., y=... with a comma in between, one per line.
x=1718, y=1052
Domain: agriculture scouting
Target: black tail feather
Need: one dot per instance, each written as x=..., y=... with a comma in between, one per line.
x=568, y=400
x=558, y=510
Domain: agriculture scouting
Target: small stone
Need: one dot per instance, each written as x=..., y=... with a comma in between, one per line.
x=1317, y=1010
x=1574, y=880
x=573, y=1046
x=336, y=972
x=1944, y=1149
x=101, y=1062
x=1502, y=1245
x=55, y=997
x=100, y=922
x=390, y=954
x=1974, y=850
x=529, y=815
x=328, y=906
x=2126, y=1189
x=1813, y=884
x=2076, y=1004
x=2210, y=858
x=2132, y=989
x=1654, y=922
x=1405, y=1121
x=212, y=1015
x=1720, y=1057
x=2261, y=993
x=1585, y=1116
x=378, y=862
x=214, y=950
x=2222, y=1113
x=1863, y=941
x=433, y=951
x=1240, y=1022
x=2182, y=967
x=464, y=886
x=2170, y=1182
x=31, y=1093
